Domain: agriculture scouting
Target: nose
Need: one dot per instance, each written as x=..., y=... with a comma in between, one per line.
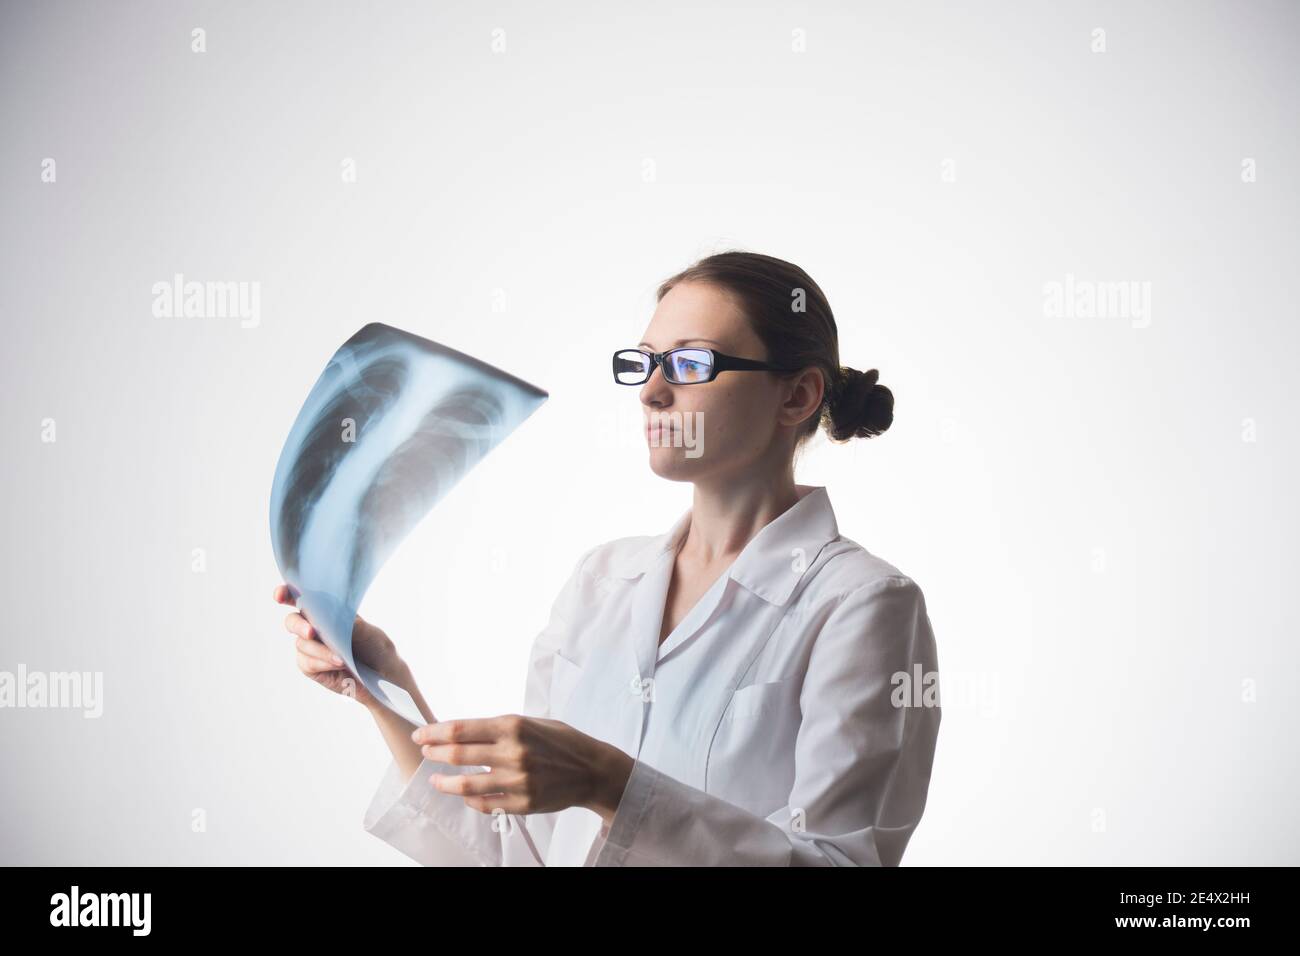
x=656, y=391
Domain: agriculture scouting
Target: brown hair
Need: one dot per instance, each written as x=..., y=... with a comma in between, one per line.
x=791, y=316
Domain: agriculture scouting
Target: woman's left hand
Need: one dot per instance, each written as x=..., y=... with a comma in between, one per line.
x=535, y=765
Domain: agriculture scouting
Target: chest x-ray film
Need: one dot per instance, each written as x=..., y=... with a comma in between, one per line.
x=390, y=426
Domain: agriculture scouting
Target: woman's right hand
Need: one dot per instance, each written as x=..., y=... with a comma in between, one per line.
x=370, y=646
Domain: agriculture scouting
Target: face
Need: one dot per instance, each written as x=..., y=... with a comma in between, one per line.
x=743, y=422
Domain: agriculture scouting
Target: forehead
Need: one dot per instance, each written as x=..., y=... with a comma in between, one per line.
x=692, y=312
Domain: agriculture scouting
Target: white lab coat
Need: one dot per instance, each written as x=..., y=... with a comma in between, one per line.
x=790, y=719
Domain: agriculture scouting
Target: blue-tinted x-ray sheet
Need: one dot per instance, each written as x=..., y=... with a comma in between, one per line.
x=391, y=425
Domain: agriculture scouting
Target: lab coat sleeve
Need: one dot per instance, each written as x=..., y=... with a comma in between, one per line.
x=863, y=756
x=440, y=829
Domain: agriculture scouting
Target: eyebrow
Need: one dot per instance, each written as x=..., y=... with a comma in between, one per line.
x=681, y=342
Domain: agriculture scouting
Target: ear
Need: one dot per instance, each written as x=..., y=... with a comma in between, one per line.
x=803, y=396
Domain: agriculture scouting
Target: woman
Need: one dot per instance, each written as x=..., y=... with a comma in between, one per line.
x=750, y=687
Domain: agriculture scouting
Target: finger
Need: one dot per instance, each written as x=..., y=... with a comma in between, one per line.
x=314, y=665
x=469, y=755
x=283, y=596
x=319, y=651
x=477, y=730
x=505, y=803
x=478, y=784
x=295, y=623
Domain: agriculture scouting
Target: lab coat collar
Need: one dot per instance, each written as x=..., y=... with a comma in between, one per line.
x=774, y=560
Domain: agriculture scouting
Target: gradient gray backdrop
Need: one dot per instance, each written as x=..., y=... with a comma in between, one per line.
x=1096, y=508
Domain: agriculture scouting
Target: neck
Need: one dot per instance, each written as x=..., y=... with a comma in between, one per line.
x=725, y=516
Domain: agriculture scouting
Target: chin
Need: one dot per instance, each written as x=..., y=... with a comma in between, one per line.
x=672, y=463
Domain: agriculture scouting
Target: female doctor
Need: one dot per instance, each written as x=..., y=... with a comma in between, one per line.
x=748, y=688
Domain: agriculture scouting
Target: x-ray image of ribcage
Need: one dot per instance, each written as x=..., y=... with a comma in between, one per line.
x=388, y=429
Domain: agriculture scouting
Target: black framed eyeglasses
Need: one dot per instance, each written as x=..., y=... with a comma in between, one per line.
x=684, y=366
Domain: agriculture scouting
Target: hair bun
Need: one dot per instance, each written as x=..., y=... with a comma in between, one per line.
x=860, y=406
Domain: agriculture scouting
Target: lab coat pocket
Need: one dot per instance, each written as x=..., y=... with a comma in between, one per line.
x=751, y=759
x=564, y=676
x=758, y=698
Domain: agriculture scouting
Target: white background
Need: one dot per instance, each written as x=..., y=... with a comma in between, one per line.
x=1108, y=562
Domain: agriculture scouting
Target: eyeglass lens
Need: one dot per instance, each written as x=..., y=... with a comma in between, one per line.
x=684, y=366
x=630, y=367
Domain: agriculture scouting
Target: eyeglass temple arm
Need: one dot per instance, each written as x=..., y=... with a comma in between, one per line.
x=727, y=363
